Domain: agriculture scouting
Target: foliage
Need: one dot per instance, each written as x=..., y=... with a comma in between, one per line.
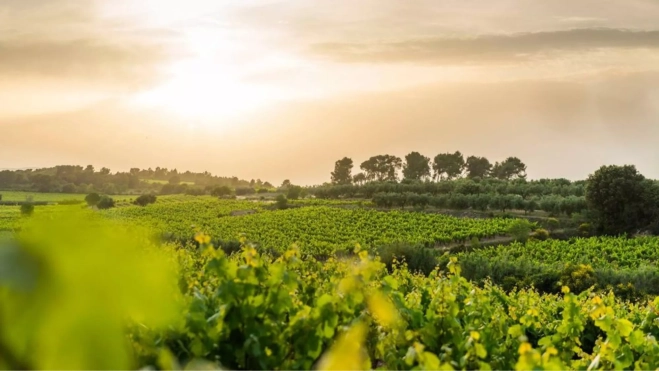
x=448, y=165
x=294, y=192
x=105, y=202
x=520, y=229
x=27, y=209
x=541, y=234
x=93, y=199
x=144, y=200
x=477, y=167
x=69, y=288
x=382, y=168
x=342, y=173
x=316, y=229
x=281, y=202
x=511, y=168
x=621, y=199
x=416, y=167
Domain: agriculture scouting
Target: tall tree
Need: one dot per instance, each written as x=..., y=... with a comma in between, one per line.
x=448, y=165
x=342, y=173
x=621, y=200
x=477, y=167
x=417, y=166
x=511, y=168
x=382, y=167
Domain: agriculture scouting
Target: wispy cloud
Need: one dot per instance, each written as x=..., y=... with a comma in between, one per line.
x=487, y=48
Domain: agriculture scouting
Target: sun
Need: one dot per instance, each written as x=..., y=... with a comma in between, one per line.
x=210, y=80
x=202, y=89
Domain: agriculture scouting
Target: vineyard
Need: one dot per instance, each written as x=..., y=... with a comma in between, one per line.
x=318, y=229
x=253, y=311
x=283, y=300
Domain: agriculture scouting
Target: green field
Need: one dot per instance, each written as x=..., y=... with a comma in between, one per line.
x=502, y=307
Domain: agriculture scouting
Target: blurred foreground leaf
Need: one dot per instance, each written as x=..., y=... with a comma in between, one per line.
x=70, y=285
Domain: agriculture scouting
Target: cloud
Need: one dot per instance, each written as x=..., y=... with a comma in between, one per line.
x=106, y=62
x=500, y=48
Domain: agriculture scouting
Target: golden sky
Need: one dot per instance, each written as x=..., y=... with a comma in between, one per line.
x=281, y=89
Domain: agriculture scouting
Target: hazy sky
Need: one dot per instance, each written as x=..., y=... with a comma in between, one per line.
x=281, y=89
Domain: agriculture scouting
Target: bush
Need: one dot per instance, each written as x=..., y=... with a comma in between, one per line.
x=540, y=234
x=144, y=200
x=244, y=191
x=520, y=229
x=294, y=192
x=92, y=199
x=552, y=224
x=221, y=191
x=105, y=202
x=27, y=209
x=417, y=258
x=578, y=277
x=281, y=202
x=584, y=229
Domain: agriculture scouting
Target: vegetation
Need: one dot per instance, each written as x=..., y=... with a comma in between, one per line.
x=335, y=281
x=27, y=209
x=77, y=179
x=254, y=311
x=144, y=200
x=321, y=230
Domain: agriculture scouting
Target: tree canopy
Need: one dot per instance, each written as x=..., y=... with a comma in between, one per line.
x=417, y=166
x=382, y=168
x=342, y=173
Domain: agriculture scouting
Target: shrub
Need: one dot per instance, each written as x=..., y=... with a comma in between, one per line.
x=144, y=200
x=92, y=199
x=540, y=234
x=520, y=229
x=552, y=224
x=105, y=202
x=578, y=277
x=27, y=209
x=221, y=191
x=417, y=258
x=584, y=229
x=294, y=192
x=281, y=202
x=245, y=191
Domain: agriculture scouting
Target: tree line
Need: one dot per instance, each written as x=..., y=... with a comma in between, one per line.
x=417, y=167
x=78, y=179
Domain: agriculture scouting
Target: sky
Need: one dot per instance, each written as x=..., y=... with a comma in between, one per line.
x=282, y=89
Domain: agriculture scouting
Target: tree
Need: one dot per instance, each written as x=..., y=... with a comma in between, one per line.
x=477, y=167
x=92, y=199
x=105, y=202
x=286, y=183
x=382, y=168
x=359, y=178
x=620, y=199
x=342, y=173
x=221, y=191
x=448, y=165
x=144, y=200
x=511, y=168
x=417, y=166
